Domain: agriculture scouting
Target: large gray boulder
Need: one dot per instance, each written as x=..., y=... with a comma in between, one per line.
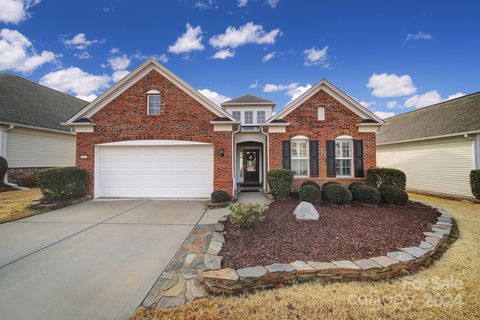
x=306, y=211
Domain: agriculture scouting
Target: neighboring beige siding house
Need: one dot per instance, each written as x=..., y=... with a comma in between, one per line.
x=31, y=135
x=436, y=146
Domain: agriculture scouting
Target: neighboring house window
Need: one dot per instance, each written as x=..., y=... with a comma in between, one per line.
x=237, y=115
x=299, y=156
x=321, y=114
x=260, y=117
x=248, y=117
x=343, y=157
x=153, y=104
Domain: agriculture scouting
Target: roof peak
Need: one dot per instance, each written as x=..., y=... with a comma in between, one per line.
x=248, y=99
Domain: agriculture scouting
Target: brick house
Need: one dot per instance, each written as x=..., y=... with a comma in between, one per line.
x=153, y=135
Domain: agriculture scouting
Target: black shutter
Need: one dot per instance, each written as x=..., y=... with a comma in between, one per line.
x=286, y=154
x=313, y=158
x=331, y=158
x=358, y=153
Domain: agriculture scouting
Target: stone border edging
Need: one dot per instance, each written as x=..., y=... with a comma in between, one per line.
x=394, y=264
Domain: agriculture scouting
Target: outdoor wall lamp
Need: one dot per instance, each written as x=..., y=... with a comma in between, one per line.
x=222, y=152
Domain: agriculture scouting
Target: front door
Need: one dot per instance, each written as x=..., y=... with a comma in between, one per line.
x=251, y=165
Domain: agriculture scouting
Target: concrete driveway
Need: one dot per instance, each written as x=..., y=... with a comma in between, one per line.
x=95, y=260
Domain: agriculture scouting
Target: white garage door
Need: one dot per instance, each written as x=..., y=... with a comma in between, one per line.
x=164, y=171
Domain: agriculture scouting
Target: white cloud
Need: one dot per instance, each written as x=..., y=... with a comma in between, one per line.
x=88, y=98
x=119, y=62
x=81, y=42
x=418, y=36
x=315, y=56
x=368, y=104
x=293, y=90
x=242, y=3
x=423, y=100
x=392, y=104
x=114, y=50
x=17, y=53
x=214, y=96
x=75, y=81
x=269, y=56
x=15, y=11
x=249, y=33
x=160, y=58
x=384, y=114
x=455, y=95
x=254, y=85
x=391, y=85
x=210, y=4
x=191, y=40
x=224, y=54
x=272, y=3
x=118, y=75
x=84, y=55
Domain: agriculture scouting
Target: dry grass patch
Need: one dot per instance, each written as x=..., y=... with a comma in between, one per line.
x=449, y=289
x=13, y=204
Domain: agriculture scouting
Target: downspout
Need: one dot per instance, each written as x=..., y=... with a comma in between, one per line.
x=266, y=164
x=234, y=160
x=4, y=151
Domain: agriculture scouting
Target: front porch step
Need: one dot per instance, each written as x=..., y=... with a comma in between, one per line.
x=250, y=188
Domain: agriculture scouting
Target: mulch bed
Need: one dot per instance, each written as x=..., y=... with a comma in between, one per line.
x=347, y=232
x=6, y=188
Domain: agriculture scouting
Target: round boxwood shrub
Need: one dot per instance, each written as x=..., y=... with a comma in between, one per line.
x=475, y=182
x=310, y=193
x=3, y=168
x=393, y=195
x=326, y=184
x=63, y=183
x=310, y=183
x=355, y=184
x=381, y=176
x=220, y=196
x=336, y=193
x=366, y=194
x=280, y=182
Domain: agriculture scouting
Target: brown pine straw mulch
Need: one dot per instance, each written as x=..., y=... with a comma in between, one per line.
x=343, y=232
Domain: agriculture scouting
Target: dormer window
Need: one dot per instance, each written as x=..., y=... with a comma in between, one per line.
x=260, y=117
x=153, y=103
x=237, y=115
x=248, y=117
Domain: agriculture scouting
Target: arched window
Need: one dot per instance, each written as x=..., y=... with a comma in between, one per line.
x=153, y=102
x=344, y=156
x=299, y=155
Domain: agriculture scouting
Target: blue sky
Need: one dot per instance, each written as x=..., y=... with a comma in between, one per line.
x=393, y=57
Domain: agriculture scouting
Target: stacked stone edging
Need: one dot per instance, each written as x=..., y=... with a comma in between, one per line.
x=394, y=264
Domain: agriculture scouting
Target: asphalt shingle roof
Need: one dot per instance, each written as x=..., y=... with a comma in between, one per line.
x=449, y=117
x=29, y=103
x=248, y=99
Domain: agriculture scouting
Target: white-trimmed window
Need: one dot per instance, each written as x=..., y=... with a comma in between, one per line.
x=344, y=157
x=299, y=156
x=248, y=117
x=237, y=115
x=260, y=117
x=153, y=103
x=321, y=113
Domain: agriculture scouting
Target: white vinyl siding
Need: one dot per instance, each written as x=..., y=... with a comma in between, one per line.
x=36, y=149
x=176, y=171
x=437, y=165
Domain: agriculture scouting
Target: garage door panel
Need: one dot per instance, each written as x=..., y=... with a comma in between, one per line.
x=155, y=171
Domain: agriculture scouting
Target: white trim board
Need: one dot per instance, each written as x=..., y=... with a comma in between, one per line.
x=132, y=77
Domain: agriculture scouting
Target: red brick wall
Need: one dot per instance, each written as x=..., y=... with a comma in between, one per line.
x=181, y=118
x=339, y=120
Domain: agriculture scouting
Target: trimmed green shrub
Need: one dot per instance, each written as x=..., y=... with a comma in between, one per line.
x=310, y=193
x=365, y=194
x=220, y=196
x=355, y=184
x=475, y=182
x=310, y=183
x=336, y=193
x=329, y=183
x=246, y=214
x=3, y=168
x=380, y=176
x=63, y=183
x=280, y=182
x=393, y=195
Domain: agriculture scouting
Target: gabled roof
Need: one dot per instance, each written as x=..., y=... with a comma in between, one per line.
x=338, y=94
x=27, y=103
x=456, y=116
x=248, y=99
x=135, y=75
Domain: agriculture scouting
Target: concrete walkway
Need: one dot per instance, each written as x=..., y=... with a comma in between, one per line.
x=95, y=260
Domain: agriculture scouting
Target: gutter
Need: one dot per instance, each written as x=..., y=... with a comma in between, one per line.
x=4, y=146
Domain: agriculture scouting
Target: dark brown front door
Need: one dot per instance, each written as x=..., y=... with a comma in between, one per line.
x=251, y=165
